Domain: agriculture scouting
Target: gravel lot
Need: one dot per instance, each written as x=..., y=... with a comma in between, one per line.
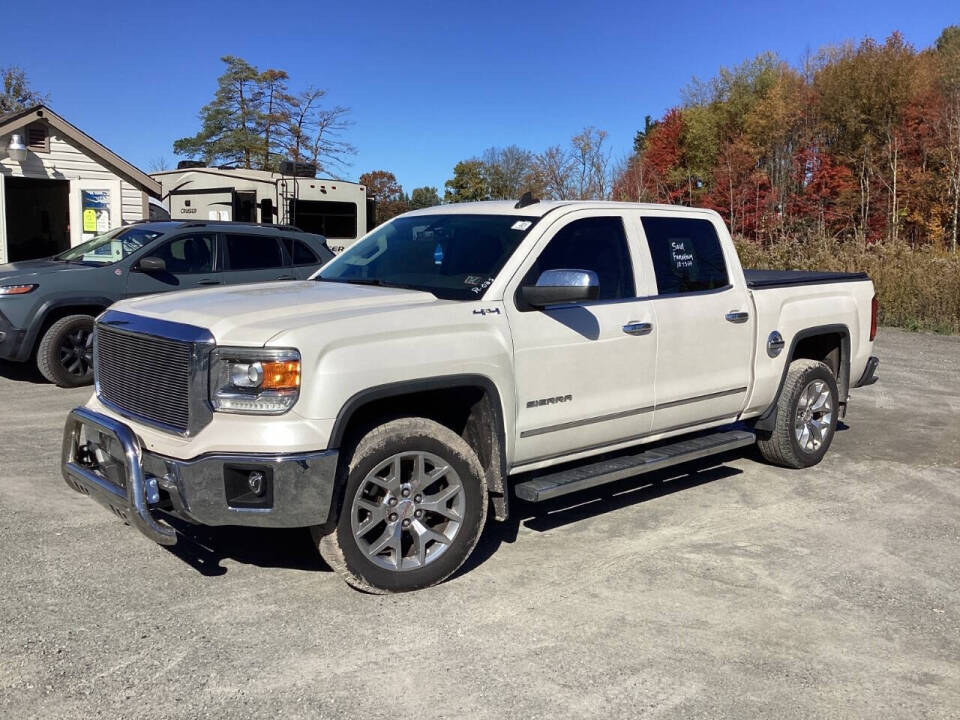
x=727, y=590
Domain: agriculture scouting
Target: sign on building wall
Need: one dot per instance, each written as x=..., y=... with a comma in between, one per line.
x=96, y=211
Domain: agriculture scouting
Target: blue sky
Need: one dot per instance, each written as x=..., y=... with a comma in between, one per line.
x=428, y=83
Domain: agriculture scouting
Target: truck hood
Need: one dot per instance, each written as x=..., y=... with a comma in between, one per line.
x=30, y=271
x=250, y=315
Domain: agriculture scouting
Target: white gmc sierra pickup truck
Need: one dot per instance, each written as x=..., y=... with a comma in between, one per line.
x=454, y=356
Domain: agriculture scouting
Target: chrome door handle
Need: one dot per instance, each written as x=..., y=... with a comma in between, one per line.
x=638, y=328
x=737, y=316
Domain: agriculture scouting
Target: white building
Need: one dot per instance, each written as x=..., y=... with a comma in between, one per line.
x=59, y=186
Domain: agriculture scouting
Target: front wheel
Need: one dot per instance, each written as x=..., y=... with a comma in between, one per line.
x=65, y=353
x=806, y=416
x=414, y=505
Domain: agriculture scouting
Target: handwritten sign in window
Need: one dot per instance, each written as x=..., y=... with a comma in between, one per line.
x=686, y=254
x=681, y=254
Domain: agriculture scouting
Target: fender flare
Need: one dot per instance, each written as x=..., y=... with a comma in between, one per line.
x=43, y=312
x=497, y=474
x=768, y=418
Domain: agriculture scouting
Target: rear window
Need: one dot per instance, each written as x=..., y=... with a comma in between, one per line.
x=253, y=252
x=300, y=252
x=686, y=253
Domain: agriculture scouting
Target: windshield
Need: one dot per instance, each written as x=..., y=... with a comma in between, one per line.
x=110, y=247
x=455, y=257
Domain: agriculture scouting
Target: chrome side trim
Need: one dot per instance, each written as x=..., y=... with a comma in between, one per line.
x=628, y=413
x=587, y=421
x=728, y=417
x=698, y=398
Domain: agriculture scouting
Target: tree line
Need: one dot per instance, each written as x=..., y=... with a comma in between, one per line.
x=859, y=142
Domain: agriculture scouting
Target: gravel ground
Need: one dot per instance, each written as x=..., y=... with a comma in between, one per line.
x=731, y=589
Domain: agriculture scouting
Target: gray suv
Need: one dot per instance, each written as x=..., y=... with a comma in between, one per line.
x=47, y=307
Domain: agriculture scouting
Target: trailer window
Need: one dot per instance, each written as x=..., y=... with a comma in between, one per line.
x=323, y=217
x=686, y=253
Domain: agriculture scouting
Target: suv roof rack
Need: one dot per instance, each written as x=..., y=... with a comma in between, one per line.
x=204, y=223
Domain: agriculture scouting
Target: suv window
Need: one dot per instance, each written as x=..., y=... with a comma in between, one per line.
x=300, y=252
x=187, y=254
x=253, y=252
x=598, y=244
x=686, y=253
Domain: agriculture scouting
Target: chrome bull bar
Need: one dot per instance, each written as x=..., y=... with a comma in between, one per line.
x=130, y=501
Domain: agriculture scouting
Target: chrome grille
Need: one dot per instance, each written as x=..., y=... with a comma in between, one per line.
x=145, y=375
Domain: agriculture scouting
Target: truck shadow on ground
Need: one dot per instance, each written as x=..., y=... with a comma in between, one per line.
x=596, y=501
x=205, y=548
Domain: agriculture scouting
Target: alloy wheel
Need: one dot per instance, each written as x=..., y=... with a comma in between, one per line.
x=408, y=510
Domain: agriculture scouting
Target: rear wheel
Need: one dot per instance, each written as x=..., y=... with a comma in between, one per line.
x=414, y=504
x=65, y=353
x=806, y=416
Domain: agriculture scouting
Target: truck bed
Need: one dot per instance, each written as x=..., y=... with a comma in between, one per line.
x=763, y=279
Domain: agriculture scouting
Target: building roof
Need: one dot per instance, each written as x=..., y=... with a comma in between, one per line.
x=12, y=122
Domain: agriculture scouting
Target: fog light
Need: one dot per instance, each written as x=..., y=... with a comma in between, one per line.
x=255, y=481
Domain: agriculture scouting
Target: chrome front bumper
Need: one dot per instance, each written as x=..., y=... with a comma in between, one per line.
x=103, y=458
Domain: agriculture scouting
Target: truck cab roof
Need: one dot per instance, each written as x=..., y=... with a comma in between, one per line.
x=541, y=208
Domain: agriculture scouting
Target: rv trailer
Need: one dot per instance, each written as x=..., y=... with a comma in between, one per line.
x=338, y=210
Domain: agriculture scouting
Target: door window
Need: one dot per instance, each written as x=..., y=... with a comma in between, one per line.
x=686, y=253
x=598, y=244
x=300, y=252
x=253, y=252
x=187, y=254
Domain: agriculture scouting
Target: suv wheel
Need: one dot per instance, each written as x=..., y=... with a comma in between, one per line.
x=65, y=353
x=414, y=505
x=806, y=416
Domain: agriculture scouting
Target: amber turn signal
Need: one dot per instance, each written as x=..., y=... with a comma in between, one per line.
x=280, y=375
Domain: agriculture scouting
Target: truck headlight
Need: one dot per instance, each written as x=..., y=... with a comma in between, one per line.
x=256, y=381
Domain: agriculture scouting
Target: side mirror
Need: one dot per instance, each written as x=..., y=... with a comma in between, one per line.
x=152, y=264
x=561, y=286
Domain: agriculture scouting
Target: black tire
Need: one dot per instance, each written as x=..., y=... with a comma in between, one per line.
x=341, y=549
x=781, y=446
x=65, y=353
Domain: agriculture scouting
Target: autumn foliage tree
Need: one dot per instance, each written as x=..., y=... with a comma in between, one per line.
x=861, y=142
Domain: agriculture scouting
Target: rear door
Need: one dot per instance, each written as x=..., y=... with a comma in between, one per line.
x=703, y=321
x=250, y=258
x=191, y=261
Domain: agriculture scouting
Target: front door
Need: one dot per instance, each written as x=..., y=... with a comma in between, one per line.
x=190, y=263
x=37, y=217
x=706, y=332
x=584, y=372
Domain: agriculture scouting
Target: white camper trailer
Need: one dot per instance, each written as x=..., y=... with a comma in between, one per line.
x=338, y=210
